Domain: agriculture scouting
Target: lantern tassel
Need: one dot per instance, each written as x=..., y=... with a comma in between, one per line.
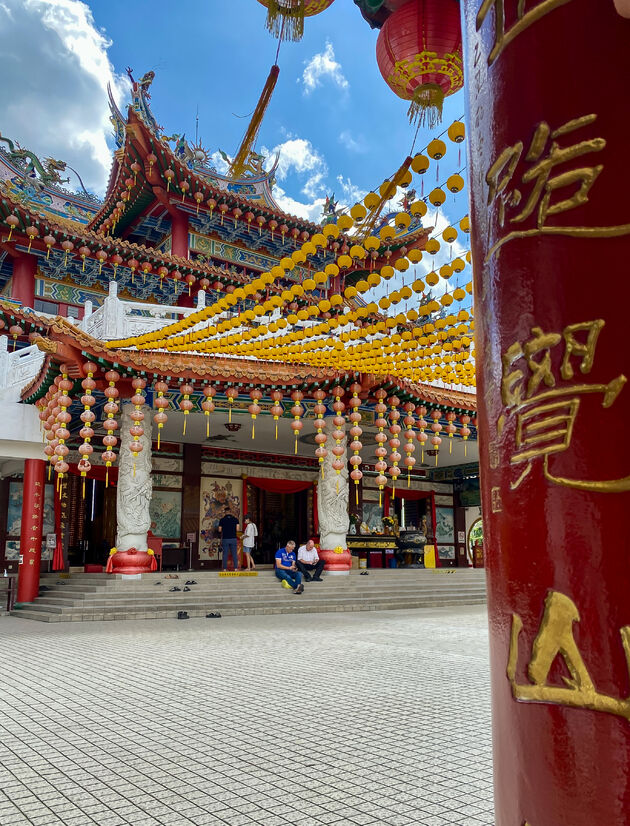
x=253, y=430
x=184, y=431
x=207, y=425
x=408, y=477
x=295, y=451
x=276, y=431
x=240, y=159
x=356, y=490
x=83, y=488
x=436, y=458
x=159, y=434
x=285, y=19
x=426, y=107
x=107, y=477
x=450, y=445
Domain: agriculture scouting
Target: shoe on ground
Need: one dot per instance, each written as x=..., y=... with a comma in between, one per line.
x=317, y=579
x=299, y=589
x=307, y=577
x=174, y=588
x=364, y=573
x=191, y=582
x=157, y=583
x=44, y=588
x=285, y=584
x=186, y=588
x=182, y=615
x=213, y=615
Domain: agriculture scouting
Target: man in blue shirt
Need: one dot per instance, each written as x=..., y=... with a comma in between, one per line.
x=286, y=568
x=227, y=528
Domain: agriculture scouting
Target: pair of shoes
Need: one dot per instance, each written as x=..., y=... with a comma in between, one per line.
x=191, y=582
x=186, y=588
x=317, y=579
x=174, y=588
x=182, y=615
x=285, y=584
x=364, y=573
x=213, y=615
x=299, y=589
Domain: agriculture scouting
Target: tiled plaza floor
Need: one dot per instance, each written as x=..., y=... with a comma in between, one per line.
x=370, y=718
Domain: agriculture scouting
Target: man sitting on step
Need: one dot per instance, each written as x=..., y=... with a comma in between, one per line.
x=286, y=568
x=309, y=563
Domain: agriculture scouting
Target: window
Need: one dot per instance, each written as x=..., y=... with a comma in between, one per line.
x=74, y=312
x=42, y=306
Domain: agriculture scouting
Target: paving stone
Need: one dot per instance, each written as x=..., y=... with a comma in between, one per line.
x=339, y=719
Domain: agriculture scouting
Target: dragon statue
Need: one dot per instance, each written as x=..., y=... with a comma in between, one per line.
x=46, y=173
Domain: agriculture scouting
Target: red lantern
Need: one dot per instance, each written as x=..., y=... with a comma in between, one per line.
x=13, y=221
x=285, y=18
x=185, y=404
x=254, y=408
x=297, y=410
x=207, y=405
x=32, y=232
x=419, y=53
x=276, y=410
x=49, y=240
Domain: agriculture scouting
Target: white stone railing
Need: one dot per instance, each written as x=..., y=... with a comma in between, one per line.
x=17, y=368
x=125, y=319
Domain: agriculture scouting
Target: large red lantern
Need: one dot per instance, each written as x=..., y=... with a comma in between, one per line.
x=419, y=53
x=285, y=18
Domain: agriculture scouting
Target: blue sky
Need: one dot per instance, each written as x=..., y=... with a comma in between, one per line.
x=336, y=123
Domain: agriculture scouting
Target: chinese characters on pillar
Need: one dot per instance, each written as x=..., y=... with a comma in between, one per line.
x=545, y=401
x=35, y=536
x=520, y=16
x=528, y=187
x=555, y=638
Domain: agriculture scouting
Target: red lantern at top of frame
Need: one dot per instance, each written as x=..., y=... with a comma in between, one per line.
x=419, y=53
x=285, y=18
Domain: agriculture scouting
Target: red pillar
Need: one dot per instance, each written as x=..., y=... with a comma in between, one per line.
x=31, y=533
x=23, y=281
x=549, y=118
x=179, y=234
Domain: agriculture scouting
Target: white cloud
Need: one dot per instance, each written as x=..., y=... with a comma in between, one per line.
x=323, y=65
x=299, y=156
x=310, y=211
x=353, y=143
x=53, y=96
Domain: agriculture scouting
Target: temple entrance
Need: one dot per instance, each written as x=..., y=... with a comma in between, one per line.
x=279, y=517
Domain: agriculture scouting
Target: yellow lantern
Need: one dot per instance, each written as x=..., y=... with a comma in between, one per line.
x=387, y=233
x=456, y=131
x=345, y=222
x=418, y=286
x=344, y=261
x=371, y=243
x=432, y=279
x=320, y=277
x=455, y=183
x=436, y=149
x=449, y=235
x=464, y=224
x=309, y=283
x=403, y=220
x=432, y=246
x=418, y=208
x=330, y=230
x=446, y=271
x=457, y=264
x=387, y=189
x=358, y=212
x=349, y=292
x=420, y=163
x=414, y=256
x=437, y=197
x=371, y=200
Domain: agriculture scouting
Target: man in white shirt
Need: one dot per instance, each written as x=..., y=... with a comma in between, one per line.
x=309, y=563
x=249, y=540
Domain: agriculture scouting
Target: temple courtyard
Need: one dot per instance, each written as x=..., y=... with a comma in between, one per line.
x=343, y=718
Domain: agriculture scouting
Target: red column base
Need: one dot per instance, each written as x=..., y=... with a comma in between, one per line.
x=339, y=562
x=131, y=562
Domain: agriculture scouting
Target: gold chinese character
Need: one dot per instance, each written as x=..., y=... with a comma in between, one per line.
x=555, y=639
x=545, y=412
x=544, y=180
x=524, y=19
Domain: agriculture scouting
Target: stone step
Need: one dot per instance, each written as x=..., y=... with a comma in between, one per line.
x=284, y=608
x=185, y=602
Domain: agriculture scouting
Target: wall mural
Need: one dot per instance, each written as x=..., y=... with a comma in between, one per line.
x=445, y=525
x=214, y=495
x=166, y=513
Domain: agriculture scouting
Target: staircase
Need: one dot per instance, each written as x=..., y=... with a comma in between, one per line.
x=108, y=597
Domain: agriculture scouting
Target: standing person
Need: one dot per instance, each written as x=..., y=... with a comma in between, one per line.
x=309, y=563
x=286, y=568
x=227, y=528
x=249, y=540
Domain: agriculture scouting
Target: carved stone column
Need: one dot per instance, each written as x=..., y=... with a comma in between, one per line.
x=133, y=497
x=549, y=118
x=332, y=509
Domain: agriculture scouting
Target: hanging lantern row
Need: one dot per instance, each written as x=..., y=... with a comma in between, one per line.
x=381, y=438
x=137, y=417
x=394, y=442
x=356, y=432
x=87, y=417
x=110, y=425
